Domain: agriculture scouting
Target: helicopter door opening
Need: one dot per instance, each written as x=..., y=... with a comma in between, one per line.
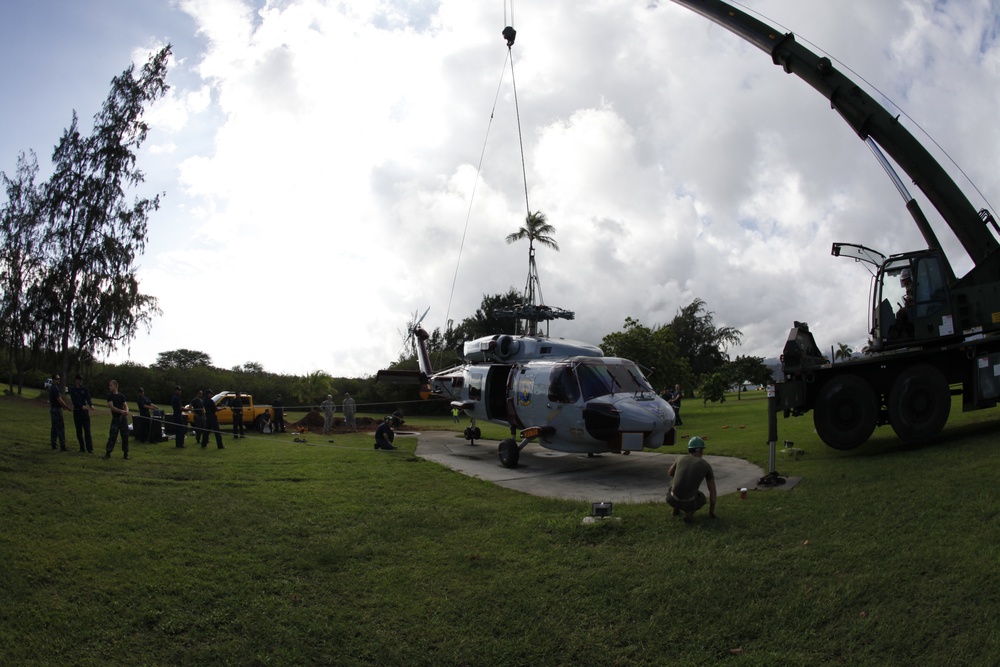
x=496, y=392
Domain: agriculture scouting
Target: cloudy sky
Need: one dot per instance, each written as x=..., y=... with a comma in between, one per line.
x=321, y=160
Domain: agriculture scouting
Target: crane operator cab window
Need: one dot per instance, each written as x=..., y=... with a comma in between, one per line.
x=896, y=313
x=914, y=299
x=931, y=292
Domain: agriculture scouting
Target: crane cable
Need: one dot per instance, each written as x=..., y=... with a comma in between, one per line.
x=509, y=34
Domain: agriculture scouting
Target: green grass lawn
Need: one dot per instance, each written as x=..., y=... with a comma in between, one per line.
x=272, y=552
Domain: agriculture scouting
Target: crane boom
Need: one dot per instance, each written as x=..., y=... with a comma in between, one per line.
x=945, y=332
x=867, y=118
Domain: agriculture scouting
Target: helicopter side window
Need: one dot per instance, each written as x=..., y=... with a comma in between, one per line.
x=475, y=386
x=563, y=387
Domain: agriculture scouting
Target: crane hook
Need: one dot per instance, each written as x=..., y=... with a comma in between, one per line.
x=509, y=34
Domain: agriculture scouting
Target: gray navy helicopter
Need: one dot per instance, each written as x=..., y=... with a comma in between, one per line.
x=564, y=394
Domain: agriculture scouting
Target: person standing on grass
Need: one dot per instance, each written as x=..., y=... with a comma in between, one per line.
x=198, y=406
x=329, y=407
x=180, y=422
x=211, y=422
x=675, y=403
x=119, y=419
x=686, y=475
x=279, y=414
x=82, y=405
x=144, y=427
x=350, y=410
x=236, y=405
x=57, y=404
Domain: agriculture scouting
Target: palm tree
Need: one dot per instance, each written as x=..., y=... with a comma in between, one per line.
x=843, y=352
x=313, y=386
x=536, y=228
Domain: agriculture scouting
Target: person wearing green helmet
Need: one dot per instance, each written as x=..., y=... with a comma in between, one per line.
x=686, y=475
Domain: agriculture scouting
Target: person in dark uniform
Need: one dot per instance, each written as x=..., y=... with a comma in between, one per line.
x=264, y=423
x=279, y=415
x=675, y=403
x=384, y=435
x=236, y=405
x=211, y=422
x=143, y=427
x=198, y=406
x=180, y=422
x=82, y=405
x=56, y=405
x=119, y=419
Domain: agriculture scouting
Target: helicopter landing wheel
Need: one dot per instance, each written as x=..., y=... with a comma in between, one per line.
x=509, y=453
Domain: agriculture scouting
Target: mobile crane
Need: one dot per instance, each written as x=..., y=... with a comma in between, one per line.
x=944, y=338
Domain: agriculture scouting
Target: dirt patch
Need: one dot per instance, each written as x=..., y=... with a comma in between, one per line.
x=313, y=423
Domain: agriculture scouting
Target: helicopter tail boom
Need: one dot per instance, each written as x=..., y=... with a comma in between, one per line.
x=401, y=377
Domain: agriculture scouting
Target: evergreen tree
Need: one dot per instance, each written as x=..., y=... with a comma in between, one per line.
x=704, y=345
x=94, y=234
x=20, y=263
x=653, y=349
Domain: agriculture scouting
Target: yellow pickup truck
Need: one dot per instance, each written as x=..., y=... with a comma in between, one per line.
x=224, y=411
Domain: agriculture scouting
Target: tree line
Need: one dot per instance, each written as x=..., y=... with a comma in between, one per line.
x=690, y=350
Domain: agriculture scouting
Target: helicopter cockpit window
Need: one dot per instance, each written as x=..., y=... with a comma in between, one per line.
x=603, y=379
x=594, y=381
x=563, y=387
x=628, y=377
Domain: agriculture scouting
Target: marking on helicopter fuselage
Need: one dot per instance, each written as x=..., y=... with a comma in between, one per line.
x=524, y=388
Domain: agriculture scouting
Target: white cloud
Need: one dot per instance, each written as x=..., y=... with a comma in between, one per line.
x=325, y=154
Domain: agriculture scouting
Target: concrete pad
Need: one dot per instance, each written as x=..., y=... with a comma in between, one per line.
x=637, y=478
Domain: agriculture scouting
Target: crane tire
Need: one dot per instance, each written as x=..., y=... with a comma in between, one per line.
x=509, y=453
x=845, y=412
x=919, y=403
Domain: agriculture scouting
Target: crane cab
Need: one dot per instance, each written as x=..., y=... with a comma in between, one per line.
x=912, y=304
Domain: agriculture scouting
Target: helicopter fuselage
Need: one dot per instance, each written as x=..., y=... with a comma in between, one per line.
x=564, y=394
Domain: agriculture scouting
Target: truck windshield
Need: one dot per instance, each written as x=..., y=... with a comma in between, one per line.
x=600, y=379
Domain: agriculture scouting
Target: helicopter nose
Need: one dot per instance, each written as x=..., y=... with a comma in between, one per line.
x=647, y=417
x=602, y=420
x=606, y=420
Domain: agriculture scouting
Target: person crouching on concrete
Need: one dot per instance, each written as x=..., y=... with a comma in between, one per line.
x=686, y=475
